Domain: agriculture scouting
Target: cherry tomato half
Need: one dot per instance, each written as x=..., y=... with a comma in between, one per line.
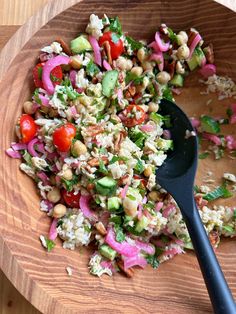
x=71, y=198
x=56, y=75
x=28, y=128
x=133, y=115
x=63, y=136
x=117, y=47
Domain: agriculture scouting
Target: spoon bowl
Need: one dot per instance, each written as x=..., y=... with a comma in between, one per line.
x=177, y=176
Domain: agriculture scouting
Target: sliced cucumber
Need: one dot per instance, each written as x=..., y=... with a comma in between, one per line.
x=113, y=203
x=164, y=144
x=209, y=125
x=109, y=82
x=80, y=44
x=107, y=252
x=142, y=224
x=177, y=80
x=106, y=186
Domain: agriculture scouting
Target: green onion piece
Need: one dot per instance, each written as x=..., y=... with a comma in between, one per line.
x=203, y=155
x=209, y=125
x=220, y=191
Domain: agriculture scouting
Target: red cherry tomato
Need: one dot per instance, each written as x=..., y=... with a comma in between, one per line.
x=133, y=115
x=117, y=47
x=56, y=75
x=71, y=198
x=63, y=136
x=28, y=128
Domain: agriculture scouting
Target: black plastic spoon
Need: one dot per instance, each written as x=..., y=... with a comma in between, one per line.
x=176, y=176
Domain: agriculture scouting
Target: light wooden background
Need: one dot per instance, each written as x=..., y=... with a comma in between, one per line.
x=14, y=13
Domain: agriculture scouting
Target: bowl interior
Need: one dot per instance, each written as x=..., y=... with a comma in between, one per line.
x=40, y=276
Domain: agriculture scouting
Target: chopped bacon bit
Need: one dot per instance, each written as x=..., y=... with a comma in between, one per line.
x=94, y=162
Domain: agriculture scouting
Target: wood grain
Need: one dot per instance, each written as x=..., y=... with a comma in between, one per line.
x=41, y=277
x=16, y=12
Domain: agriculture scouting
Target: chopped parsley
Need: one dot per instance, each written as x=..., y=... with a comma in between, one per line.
x=152, y=260
x=50, y=244
x=92, y=69
x=172, y=35
x=203, y=155
x=69, y=184
x=138, y=137
x=167, y=94
x=115, y=25
x=134, y=45
x=139, y=167
x=102, y=168
x=133, y=77
x=120, y=236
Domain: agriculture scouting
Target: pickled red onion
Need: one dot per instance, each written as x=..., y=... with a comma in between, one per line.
x=96, y=49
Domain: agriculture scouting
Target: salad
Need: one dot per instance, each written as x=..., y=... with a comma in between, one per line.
x=91, y=138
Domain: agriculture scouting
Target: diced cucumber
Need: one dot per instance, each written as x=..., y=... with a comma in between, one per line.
x=80, y=44
x=107, y=252
x=142, y=224
x=177, y=80
x=193, y=62
x=113, y=203
x=106, y=186
x=209, y=125
x=196, y=59
x=109, y=82
x=164, y=144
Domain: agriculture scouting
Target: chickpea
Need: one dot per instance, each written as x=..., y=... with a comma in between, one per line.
x=137, y=71
x=53, y=179
x=44, y=109
x=54, y=195
x=78, y=148
x=52, y=113
x=130, y=206
x=180, y=68
x=148, y=171
x=183, y=52
x=147, y=66
x=59, y=211
x=67, y=174
x=182, y=38
x=153, y=107
x=124, y=64
x=28, y=107
x=163, y=77
x=141, y=55
x=143, y=86
x=154, y=196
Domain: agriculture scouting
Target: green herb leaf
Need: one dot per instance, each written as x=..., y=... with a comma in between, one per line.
x=209, y=125
x=172, y=35
x=152, y=260
x=220, y=191
x=92, y=69
x=138, y=137
x=139, y=167
x=228, y=228
x=203, y=155
x=50, y=244
x=196, y=189
x=229, y=112
x=120, y=236
x=69, y=184
x=36, y=96
x=131, y=197
x=116, y=220
x=115, y=25
x=133, y=77
x=117, y=158
x=234, y=214
x=102, y=168
x=134, y=45
x=167, y=94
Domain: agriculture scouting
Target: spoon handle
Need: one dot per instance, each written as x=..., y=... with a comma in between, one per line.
x=219, y=292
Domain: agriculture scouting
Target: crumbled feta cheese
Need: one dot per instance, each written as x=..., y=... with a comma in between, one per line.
x=117, y=170
x=54, y=47
x=39, y=163
x=230, y=177
x=189, y=134
x=95, y=26
x=96, y=268
x=151, y=182
x=81, y=81
x=157, y=159
x=69, y=271
x=28, y=170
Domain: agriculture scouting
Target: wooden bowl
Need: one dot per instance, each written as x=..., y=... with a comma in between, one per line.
x=177, y=286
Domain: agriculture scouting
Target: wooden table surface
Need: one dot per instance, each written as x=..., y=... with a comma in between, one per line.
x=13, y=13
